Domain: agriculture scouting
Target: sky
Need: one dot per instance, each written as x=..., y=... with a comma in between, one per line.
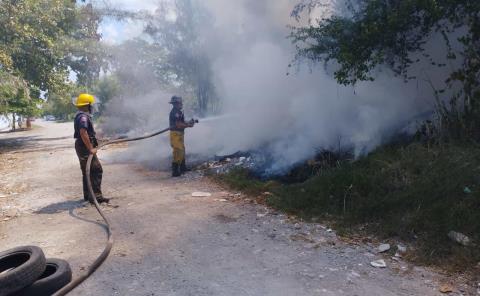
x=115, y=32
x=134, y=4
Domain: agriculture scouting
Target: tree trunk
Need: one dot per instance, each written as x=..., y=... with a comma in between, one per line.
x=29, y=123
x=13, y=122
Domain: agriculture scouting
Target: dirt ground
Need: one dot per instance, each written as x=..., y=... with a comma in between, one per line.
x=170, y=243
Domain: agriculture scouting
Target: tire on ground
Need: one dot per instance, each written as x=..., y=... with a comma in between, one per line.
x=56, y=276
x=20, y=267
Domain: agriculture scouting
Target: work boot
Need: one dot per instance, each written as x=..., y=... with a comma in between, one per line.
x=100, y=199
x=176, y=170
x=183, y=168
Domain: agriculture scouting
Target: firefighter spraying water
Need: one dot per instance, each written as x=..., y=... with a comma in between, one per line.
x=177, y=136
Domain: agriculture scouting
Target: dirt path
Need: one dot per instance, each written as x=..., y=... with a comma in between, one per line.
x=170, y=243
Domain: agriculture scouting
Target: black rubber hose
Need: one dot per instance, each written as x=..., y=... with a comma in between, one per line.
x=108, y=247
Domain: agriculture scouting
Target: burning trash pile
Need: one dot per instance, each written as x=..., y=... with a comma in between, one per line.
x=260, y=165
x=225, y=164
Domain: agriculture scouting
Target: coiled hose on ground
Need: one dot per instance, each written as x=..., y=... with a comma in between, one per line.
x=108, y=247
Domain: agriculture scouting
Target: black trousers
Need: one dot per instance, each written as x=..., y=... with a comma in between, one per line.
x=96, y=170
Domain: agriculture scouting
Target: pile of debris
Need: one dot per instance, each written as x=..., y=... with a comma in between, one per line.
x=259, y=163
x=224, y=164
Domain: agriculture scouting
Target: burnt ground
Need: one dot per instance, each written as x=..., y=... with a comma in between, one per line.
x=170, y=243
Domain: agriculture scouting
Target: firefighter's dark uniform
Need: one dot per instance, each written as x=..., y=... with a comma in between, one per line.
x=83, y=120
x=177, y=136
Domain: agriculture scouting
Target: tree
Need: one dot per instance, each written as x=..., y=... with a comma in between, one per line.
x=184, y=63
x=392, y=33
x=14, y=96
x=59, y=103
x=106, y=89
x=41, y=41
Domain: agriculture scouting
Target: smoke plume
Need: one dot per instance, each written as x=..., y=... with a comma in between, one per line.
x=286, y=116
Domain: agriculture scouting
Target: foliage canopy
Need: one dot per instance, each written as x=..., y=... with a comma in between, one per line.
x=395, y=33
x=41, y=42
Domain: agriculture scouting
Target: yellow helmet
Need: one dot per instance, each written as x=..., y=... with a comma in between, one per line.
x=84, y=100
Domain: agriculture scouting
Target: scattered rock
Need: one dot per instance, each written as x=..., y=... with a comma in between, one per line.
x=201, y=194
x=355, y=274
x=467, y=190
x=446, y=288
x=379, y=263
x=302, y=237
x=401, y=249
x=256, y=252
x=225, y=219
x=313, y=246
x=297, y=226
x=383, y=248
x=459, y=238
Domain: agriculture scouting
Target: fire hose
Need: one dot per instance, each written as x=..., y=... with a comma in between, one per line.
x=108, y=247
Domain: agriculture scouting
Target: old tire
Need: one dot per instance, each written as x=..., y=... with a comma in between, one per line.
x=57, y=275
x=20, y=267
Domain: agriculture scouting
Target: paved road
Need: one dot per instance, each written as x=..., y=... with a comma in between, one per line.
x=170, y=243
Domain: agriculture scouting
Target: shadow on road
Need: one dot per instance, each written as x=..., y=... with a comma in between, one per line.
x=69, y=206
x=74, y=215
x=28, y=143
x=61, y=207
x=14, y=131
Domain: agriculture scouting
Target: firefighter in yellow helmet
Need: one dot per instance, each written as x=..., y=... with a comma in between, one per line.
x=86, y=144
x=177, y=131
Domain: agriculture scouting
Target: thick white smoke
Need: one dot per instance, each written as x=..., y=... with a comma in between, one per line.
x=292, y=115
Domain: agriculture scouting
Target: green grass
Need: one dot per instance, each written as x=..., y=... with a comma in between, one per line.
x=415, y=193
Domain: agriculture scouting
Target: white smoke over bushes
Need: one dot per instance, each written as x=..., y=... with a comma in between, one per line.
x=290, y=115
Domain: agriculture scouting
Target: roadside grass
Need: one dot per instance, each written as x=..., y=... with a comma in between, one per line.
x=414, y=193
